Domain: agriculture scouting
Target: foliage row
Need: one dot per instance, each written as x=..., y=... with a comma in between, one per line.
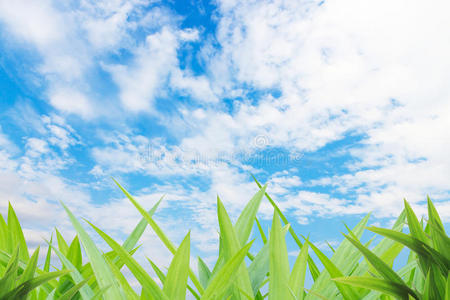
x=354, y=271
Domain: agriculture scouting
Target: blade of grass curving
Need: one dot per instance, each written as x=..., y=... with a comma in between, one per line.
x=382, y=268
x=381, y=285
x=204, y=273
x=261, y=231
x=231, y=246
x=415, y=228
x=51, y=296
x=73, y=290
x=160, y=234
x=423, y=250
x=177, y=275
x=30, y=270
x=298, y=274
x=103, y=275
x=440, y=239
x=128, y=290
x=345, y=258
x=311, y=264
x=85, y=291
x=244, y=223
x=223, y=279
x=22, y=290
x=16, y=234
x=141, y=275
x=334, y=272
x=278, y=262
x=136, y=234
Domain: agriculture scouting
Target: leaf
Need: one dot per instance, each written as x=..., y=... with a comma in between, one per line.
x=160, y=233
x=382, y=285
x=16, y=234
x=244, y=224
x=74, y=253
x=204, y=273
x=223, y=279
x=298, y=274
x=29, y=271
x=261, y=231
x=312, y=266
x=141, y=275
x=259, y=268
x=73, y=290
x=334, y=272
x=100, y=267
x=62, y=244
x=177, y=275
x=85, y=291
x=231, y=246
x=278, y=261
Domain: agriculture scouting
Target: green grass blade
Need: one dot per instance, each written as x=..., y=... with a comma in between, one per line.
x=74, y=253
x=381, y=285
x=160, y=233
x=73, y=290
x=244, y=224
x=16, y=234
x=311, y=264
x=62, y=244
x=278, y=261
x=128, y=290
x=222, y=280
x=10, y=273
x=29, y=271
x=4, y=234
x=259, y=268
x=415, y=228
x=177, y=275
x=204, y=273
x=25, y=288
x=298, y=274
x=85, y=291
x=261, y=231
x=334, y=272
x=99, y=266
x=141, y=275
x=231, y=246
x=136, y=234
x=48, y=256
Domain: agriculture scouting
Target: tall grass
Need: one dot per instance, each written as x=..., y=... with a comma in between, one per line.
x=354, y=270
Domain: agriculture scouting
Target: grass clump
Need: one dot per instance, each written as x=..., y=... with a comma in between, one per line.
x=354, y=271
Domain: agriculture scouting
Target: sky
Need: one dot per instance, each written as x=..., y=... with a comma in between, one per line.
x=342, y=107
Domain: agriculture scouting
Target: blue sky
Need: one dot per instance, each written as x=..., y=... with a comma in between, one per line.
x=342, y=107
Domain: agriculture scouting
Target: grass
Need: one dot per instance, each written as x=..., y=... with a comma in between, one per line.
x=354, y=271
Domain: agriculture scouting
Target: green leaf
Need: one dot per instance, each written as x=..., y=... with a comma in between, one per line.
x=222, y=280
x=204, y=273
x=334, y=272
x=231, y=246
x=259, y=268
x=261, y=231
x=177, y=275
x=74, y=253
x=244, y=224
x=10, y=274
x=100, y=267
x=85, y=291
x=160, y=233
x=141, y=275
x=29, y=271
x=279, y=263
x=73, y=290
x=312, y=266
x=62, y=244
x=381, y=285
x=16, y=234
x=48, y=256
x=22, y=290
x=298, y=274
